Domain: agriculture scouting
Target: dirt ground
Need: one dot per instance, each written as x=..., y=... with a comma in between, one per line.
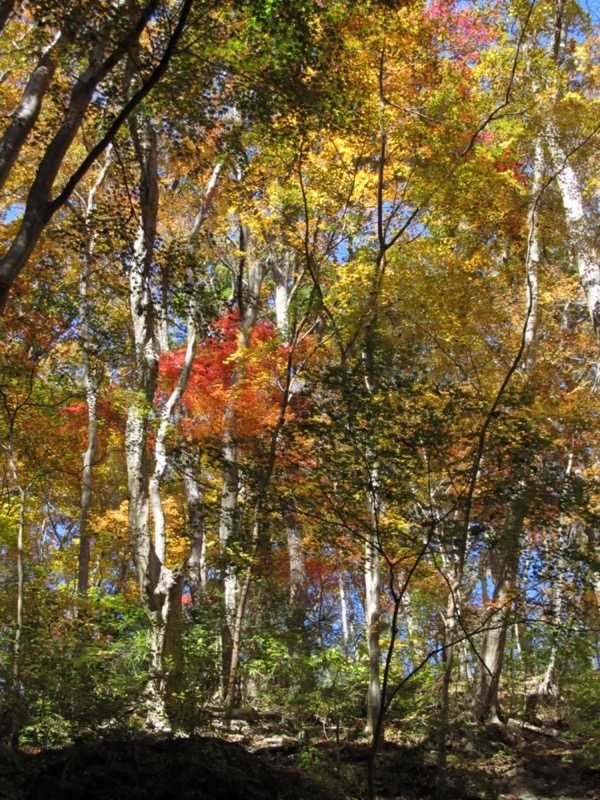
x=491, y=764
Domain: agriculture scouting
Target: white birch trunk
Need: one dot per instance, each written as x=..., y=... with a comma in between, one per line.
x=372, y=575
x=166, y=631
x=373, y=612
x=282, y=268
x=504, y=565
x=89, y=457
x=160, y=587
x=549, y=683
x=227, y=520
x=451, y=635
x=90, y=384
x=487, y=707
x=194, y=492
x=548, y=686
x=296, y=556
x=584, y=254
x=15, y=685
x=160, y=448
x=532, y=261
x=344, y=614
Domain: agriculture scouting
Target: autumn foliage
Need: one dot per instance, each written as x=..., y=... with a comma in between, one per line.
x=298, y=385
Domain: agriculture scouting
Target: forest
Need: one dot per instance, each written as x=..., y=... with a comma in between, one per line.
x=299, y=374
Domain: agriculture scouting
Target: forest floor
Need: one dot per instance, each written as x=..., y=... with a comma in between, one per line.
x=251, y=763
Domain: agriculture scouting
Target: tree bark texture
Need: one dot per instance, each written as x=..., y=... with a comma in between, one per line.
x=584, y=255
x=160, y=587
x=293, y=532
x=194, y=493
x=282, y=268
x=15, y=684
x=25, y=115
x=90, y=383
x=373, y=617
x=504, y=564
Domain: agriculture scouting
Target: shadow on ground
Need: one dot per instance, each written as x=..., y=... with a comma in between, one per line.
x=147, y=767
x=483, y=765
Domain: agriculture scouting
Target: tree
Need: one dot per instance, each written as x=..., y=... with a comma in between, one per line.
x=314, y=319
x=107, y=50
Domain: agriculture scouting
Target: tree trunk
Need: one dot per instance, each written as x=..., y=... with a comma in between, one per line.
x=227, y=521
x=548, y=686
x=166, y=630
x=532, y=259
x=416, y=642
x=248, y=304
x=40, y=207
x=26, y=113
x=486, y=705
x=583, y=251
x=15, y=685
x=344, y=615
x=261, y=490
x=373, y=614
x=504, y=564
x=504, y=558
x=282, y=266
x=91, y=396
x=160, y=587
x=296, y=558
x=90, y=384
x=373, y=622
x=451, y=635
x=373, y=571
x=194, y=492
x=549, y=683
x=236, y=634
